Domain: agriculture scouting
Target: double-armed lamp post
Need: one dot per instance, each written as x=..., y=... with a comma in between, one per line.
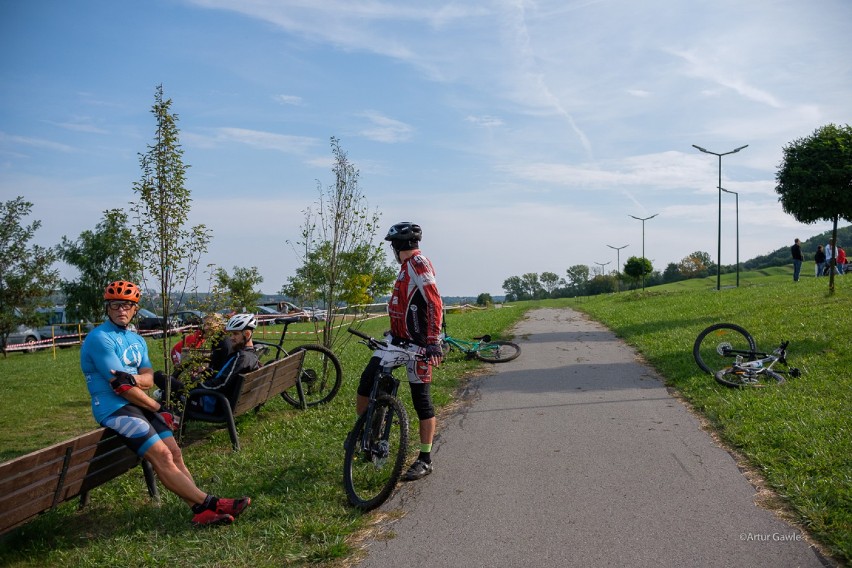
x=617, y=266
x=737, y=198
x=719, y=239
x=643, y=219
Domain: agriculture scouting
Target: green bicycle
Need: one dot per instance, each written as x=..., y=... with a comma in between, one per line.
x=482, y=348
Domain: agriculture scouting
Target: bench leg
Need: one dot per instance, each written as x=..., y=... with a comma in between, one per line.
x=232, y=430
x=151, y=481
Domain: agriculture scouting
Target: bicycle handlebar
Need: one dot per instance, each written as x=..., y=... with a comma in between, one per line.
x=373, y=342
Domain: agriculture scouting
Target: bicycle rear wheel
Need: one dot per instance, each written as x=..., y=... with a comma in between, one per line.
x=497, y=351
x=716, y=347
x=321, y=376
x=370, y=474
x=737, y=378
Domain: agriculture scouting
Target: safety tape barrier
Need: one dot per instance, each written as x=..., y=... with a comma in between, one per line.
x=77, y=338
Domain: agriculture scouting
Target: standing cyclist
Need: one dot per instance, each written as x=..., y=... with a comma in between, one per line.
x=415, y=310
x=118, y=373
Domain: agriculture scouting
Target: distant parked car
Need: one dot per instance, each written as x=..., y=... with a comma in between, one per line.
x=59, y=324
x=23, y=334
x=189, y=317
x=268, y=316
x=147, y=320
x=315, y=314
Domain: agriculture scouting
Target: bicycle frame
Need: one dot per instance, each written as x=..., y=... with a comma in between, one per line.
x=757, y=362
x=401, y=358
x=463, y=345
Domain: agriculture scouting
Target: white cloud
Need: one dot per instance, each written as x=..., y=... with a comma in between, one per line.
x=289, y=100
x=385, y=129
x=254, y=138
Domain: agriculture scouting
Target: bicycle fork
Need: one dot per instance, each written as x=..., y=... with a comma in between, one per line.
x=377, y=425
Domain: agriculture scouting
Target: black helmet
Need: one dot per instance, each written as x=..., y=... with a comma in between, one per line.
x=404, y=236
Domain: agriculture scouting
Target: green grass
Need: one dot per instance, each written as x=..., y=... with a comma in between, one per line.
x=291, y=464
x=797, y=436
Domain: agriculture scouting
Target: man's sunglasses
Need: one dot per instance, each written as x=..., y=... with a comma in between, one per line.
x=119, y=305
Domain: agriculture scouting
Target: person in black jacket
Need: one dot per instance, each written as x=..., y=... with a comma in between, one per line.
x=819, y=259
x=241, y=360
x=798, y=259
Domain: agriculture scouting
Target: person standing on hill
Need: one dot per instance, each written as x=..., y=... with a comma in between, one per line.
x=796, y=251
x=819, y=259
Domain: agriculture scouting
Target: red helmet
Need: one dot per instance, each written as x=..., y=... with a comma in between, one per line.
x=122, y=290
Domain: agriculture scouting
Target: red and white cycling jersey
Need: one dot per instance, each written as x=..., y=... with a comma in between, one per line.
x=415, y=307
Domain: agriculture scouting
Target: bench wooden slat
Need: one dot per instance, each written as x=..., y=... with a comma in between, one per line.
x=255, y=389
x=36, y=482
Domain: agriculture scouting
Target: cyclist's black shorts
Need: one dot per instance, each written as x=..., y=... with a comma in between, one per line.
x=421, y=396
x=138, y=428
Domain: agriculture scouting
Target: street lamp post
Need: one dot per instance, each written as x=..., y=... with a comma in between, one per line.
x=719, y=232
x=602, y=264
x=617, y=266
x=737, y=200
x=643, y=219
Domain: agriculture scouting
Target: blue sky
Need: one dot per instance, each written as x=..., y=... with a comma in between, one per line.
x=520, y=134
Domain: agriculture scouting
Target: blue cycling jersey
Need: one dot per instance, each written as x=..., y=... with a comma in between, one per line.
x=108, y=348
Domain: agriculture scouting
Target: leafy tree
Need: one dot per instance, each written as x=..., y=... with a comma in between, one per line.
x=602, y=284
x=672, y=273
x=695, y=265
x=338, y=259
x=814, y=180
x=514, y=289
x=578, y=277
x=532, y=285
x=106, y=254
x=239, y=288
x=637, y=268
x=26, y=274
x=550, y=282
x=169, y=251
x=484, y=299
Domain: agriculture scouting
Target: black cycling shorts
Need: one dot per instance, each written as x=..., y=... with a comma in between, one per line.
x=138, y=428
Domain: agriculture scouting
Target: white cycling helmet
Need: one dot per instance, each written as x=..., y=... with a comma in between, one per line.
x=240, y=322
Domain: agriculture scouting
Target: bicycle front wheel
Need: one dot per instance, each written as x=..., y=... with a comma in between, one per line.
x=497, y=351
x=370, y=473
x=321, y=376
x=738, y=378
x=716, y=347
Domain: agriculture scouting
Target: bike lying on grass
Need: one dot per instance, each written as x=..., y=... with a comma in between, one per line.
x=483, y=348
x=377, y=445
x=729, y=353
x=321, y=375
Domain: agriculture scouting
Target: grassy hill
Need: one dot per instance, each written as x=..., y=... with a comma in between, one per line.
x=781, y=256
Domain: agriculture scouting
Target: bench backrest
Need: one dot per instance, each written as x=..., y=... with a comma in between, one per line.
x=268, y=381
x=43, y=479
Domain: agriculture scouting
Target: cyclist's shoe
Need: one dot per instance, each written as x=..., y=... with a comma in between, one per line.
x=418, y=470
x=232, y=507
x=209, y=518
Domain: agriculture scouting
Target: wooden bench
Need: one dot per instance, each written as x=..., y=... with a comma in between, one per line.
x=250, y=391
x=41, y=480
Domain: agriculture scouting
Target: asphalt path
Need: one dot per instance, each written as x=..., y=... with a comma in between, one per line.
x=575, y=454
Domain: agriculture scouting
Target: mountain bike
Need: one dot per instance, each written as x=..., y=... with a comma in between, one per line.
x=729, y=353
x=377, y=446
x=482, y=348
x=321, y=375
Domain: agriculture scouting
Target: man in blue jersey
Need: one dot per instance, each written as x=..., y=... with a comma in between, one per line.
x=118, y=373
